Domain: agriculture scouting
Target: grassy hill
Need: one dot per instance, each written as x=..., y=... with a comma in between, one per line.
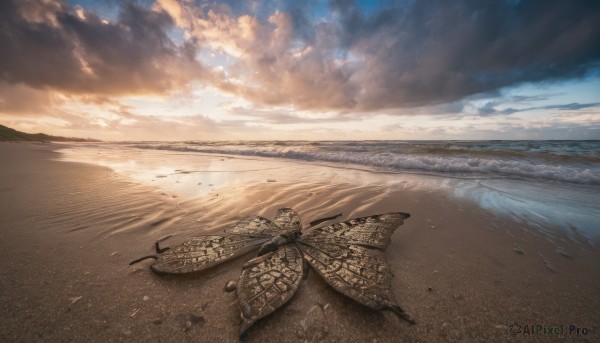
x=11, y=135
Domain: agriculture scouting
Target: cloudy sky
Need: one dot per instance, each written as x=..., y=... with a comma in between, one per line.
x=339, y=69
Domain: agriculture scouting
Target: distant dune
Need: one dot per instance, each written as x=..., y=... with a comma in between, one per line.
x=11, y=135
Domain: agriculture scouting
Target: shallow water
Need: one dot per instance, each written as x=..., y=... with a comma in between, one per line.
x=545, y=202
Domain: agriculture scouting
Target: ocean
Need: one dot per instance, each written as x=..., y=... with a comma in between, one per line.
x=546, y=183
x=562, y=161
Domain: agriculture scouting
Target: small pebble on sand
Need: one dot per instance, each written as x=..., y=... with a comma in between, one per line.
x=519, y=251
x=230, y=286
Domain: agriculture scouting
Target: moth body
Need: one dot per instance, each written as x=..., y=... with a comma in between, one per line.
x=279, y=240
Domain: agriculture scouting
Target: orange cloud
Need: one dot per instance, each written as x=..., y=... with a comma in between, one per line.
x=49, y=45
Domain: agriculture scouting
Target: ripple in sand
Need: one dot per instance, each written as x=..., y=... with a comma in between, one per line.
x=564, y=254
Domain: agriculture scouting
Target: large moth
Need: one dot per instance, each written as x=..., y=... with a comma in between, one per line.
x=348, y=255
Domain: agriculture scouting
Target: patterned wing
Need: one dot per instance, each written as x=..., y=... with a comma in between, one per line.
x=288, y=219
x=373, y=231
x=358, y=272
x=256, y=226
x=203, y=252
x=267, y=282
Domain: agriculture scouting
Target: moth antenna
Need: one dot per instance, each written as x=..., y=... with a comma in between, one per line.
x=321, y=220
x=158, y=249
x=143, y=258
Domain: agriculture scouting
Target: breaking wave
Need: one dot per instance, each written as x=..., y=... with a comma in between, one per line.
x=564, y=161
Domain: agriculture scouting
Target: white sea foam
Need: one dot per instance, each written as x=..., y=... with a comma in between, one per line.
x=574, y=162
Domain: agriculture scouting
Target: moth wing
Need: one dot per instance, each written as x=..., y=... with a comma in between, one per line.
x=358, y=272
x=373, y=231
x=255, y=225
x=203, y=252
x=288, y=219
x=267, y=282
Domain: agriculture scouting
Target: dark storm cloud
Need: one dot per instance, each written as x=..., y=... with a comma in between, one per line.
x=490, y=108
x=438, y=51
x=411, y=53
x=575, y=106
x=52, y=45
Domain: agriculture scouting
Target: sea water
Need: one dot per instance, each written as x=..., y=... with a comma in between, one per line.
x=575, y=162
x=547, y=183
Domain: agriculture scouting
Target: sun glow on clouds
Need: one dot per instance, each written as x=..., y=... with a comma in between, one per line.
x=183, y=69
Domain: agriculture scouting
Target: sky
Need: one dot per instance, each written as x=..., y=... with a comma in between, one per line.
x=306, y=70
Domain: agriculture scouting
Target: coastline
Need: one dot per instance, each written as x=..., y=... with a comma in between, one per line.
x=463, y=272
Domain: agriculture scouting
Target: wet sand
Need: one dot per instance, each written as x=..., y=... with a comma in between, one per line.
x=69, y=230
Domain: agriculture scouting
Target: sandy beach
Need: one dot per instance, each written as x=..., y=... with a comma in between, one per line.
x=464, y=273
